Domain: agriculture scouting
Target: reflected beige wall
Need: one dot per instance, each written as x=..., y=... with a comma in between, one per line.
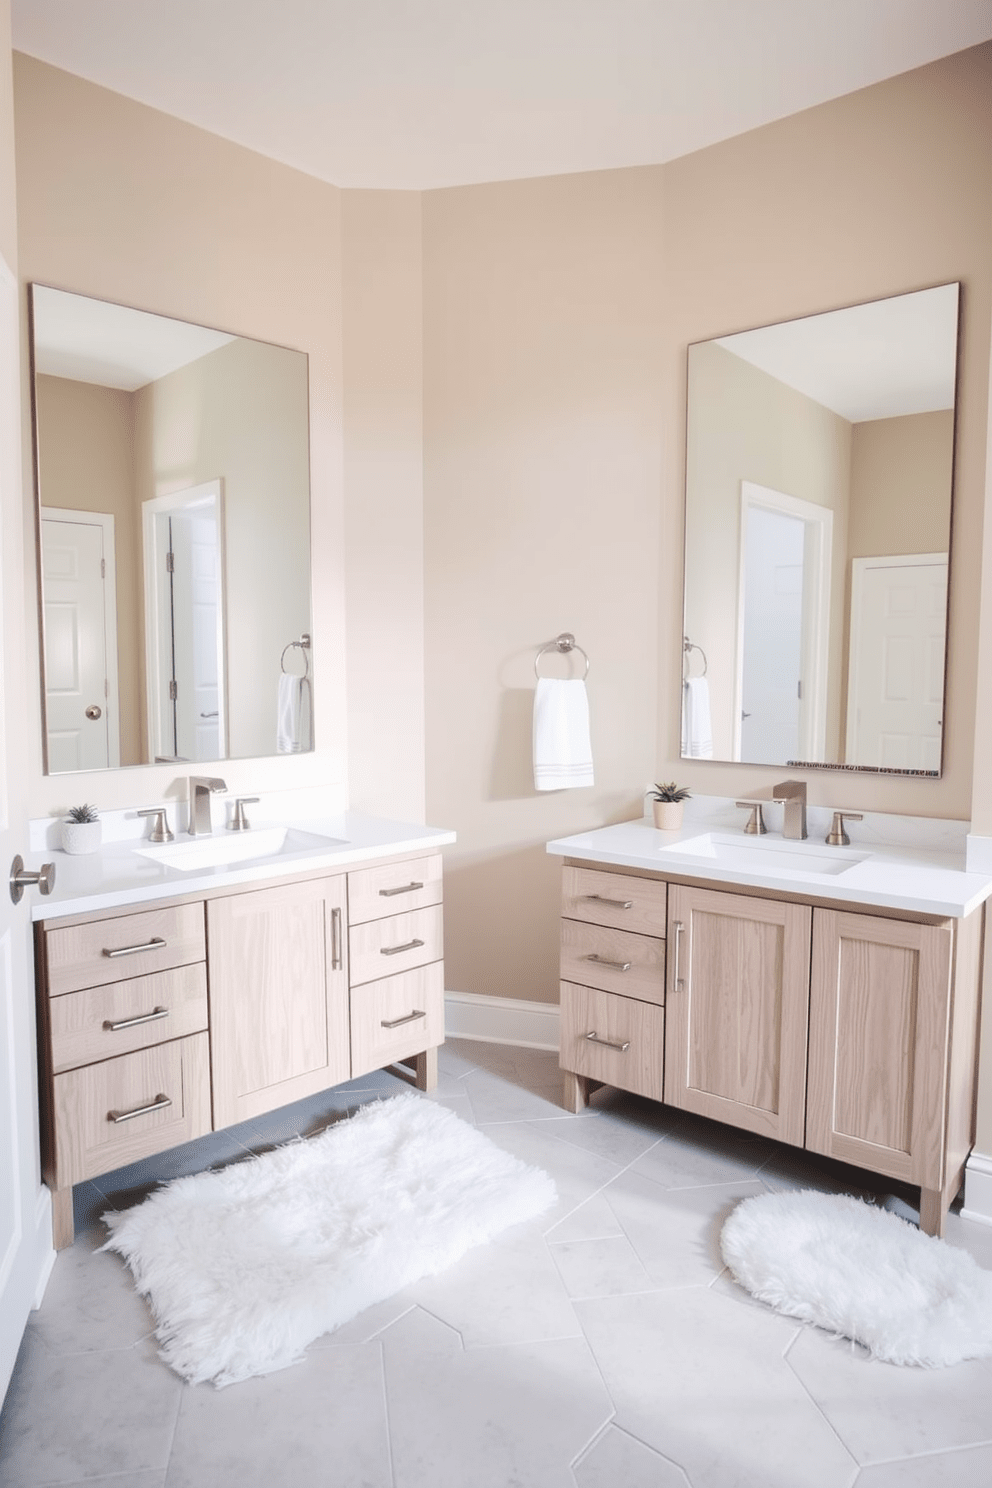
x=901, y=485
x=86, y=463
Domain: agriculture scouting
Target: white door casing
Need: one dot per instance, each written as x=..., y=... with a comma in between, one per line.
x=80, y=640
x=895, y=693
x=26, y=1253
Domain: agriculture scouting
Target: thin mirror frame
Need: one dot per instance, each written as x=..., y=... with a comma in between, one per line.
x=688, y=649
x=306, y=635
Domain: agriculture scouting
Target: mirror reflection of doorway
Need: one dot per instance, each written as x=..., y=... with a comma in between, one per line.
x=184, y=622
x=783, y=625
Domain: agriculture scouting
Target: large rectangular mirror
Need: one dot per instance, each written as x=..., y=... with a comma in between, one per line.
x=819, y=468
x=173, y=487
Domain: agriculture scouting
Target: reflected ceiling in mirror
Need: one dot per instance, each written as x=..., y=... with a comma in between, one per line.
x=819, y=466
x=173, y=487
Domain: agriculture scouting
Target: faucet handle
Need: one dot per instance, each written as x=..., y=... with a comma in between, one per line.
x=755, y=823
x=239, y=822
x=837, y=837
x=160, y=831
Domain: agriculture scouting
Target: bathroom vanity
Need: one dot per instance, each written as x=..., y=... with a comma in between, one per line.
x=826, y=999
x=183, y=1003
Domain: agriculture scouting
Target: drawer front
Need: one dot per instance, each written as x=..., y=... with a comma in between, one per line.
x=393, y=888
x=615, y=960
x=89, y=1142
x=616, y=899
x=617, y=1021
x=102, y=1022
x=386, y=947
x=396, y=1017
x=122, y=947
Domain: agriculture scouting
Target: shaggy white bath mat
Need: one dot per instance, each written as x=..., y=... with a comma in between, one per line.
x=245, y=1267
x=863, y=1273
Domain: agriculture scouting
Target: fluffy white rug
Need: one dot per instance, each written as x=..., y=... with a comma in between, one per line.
x=245, y=1267
x=863, y=1273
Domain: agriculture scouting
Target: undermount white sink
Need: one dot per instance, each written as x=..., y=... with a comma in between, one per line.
x=237, y=847
x=759, y=855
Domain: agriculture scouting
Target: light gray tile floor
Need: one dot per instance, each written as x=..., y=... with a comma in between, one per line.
x=601, y=1345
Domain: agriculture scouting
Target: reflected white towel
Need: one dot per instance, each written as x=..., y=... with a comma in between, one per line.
x=562, y=750
x=293, y=715
x=697, y=731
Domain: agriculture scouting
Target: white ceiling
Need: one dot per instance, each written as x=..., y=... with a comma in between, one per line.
x=427, y=93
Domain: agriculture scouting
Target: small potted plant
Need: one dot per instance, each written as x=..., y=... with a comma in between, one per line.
x=81, y=830
x=667, y=805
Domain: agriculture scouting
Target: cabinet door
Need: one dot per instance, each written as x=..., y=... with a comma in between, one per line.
x=738, y=998
x=879, y=1006
x=279, y=1027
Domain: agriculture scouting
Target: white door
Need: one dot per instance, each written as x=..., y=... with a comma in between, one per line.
x=772, y=636
x=25, y=1207
x=196, y=621
x=896, y=671
x=81, y=714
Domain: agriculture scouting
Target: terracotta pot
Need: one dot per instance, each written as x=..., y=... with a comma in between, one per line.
x=667, y=815
x=81, y=837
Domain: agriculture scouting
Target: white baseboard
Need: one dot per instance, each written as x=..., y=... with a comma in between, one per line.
x=978, y=1188
x=501, y=1020
x=45, y=1250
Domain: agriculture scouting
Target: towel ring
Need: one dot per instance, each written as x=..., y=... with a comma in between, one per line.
x=688, y=646
x=563, y=644
x=303, y=644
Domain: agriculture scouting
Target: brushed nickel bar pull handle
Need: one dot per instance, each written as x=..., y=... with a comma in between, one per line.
x=403, y=889
x=398, y=1022
x=679, y=981
x=152, y=1017
x=613, y=965
x=336, y=961
x=155, y=944
x=411, y=945
x=594, y=1038
x=158, y=1104
x=616, y=903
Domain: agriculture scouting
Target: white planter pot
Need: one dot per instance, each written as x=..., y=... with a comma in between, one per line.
x=667, y=815
x=81, y=837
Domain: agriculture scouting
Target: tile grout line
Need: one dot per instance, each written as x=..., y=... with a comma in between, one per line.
x=858, y=1466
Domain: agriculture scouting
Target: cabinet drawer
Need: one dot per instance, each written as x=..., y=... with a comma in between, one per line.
x=122, y=947
x=87, y=1139
x=616, y=899
x=385, y=947
x=413, y=1003
x=618, y=1021
x=615, y=960
x=147, y=1010
x=392, y=888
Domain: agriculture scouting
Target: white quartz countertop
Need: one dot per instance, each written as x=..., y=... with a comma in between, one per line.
x=889, y=875
x=120, y=875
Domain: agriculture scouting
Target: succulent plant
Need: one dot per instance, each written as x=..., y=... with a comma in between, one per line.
x=82, y=814
x=669, y=792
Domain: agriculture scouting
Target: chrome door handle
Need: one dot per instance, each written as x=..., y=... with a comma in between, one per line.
x=613, y=965
x=411, y=945
x=336, y=962
x=398, y=1022
x=594, y=1038
x=93, y=712
x=152, y=1017
x=22, y=878
x=155, y=944
x=614, y=903
x=403, y=889
x=158, y=1104
x=678, y=981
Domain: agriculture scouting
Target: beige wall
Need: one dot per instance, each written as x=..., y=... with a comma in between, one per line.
x=542, y=461
x=901, y=485
x=86, y=463
x=745, y=424
x=125, y=203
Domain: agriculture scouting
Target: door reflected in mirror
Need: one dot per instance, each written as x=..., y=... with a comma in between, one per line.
x=817, y=525
x=173, y=485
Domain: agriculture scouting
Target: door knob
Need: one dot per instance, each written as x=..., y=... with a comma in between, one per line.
x=21, y=878
x=94, y=711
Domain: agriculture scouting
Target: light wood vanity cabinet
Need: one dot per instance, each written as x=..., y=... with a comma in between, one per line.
x=852, y=1034
x=159, y=1024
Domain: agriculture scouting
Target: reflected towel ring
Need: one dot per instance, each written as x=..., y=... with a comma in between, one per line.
x=688, y=646
x=563, y=644
x=303, y=644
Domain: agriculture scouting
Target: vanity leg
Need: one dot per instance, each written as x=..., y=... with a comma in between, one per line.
x=933, y=1211
x=63, y=1225
x=575, y=1092
x=425, y=1069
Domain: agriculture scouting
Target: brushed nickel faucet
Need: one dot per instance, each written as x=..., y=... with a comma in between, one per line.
x=792, y=795
x=201, y=788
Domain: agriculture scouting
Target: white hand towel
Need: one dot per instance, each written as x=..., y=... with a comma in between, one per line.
x=697, y=730
x=293, y=721
x=562, y=750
